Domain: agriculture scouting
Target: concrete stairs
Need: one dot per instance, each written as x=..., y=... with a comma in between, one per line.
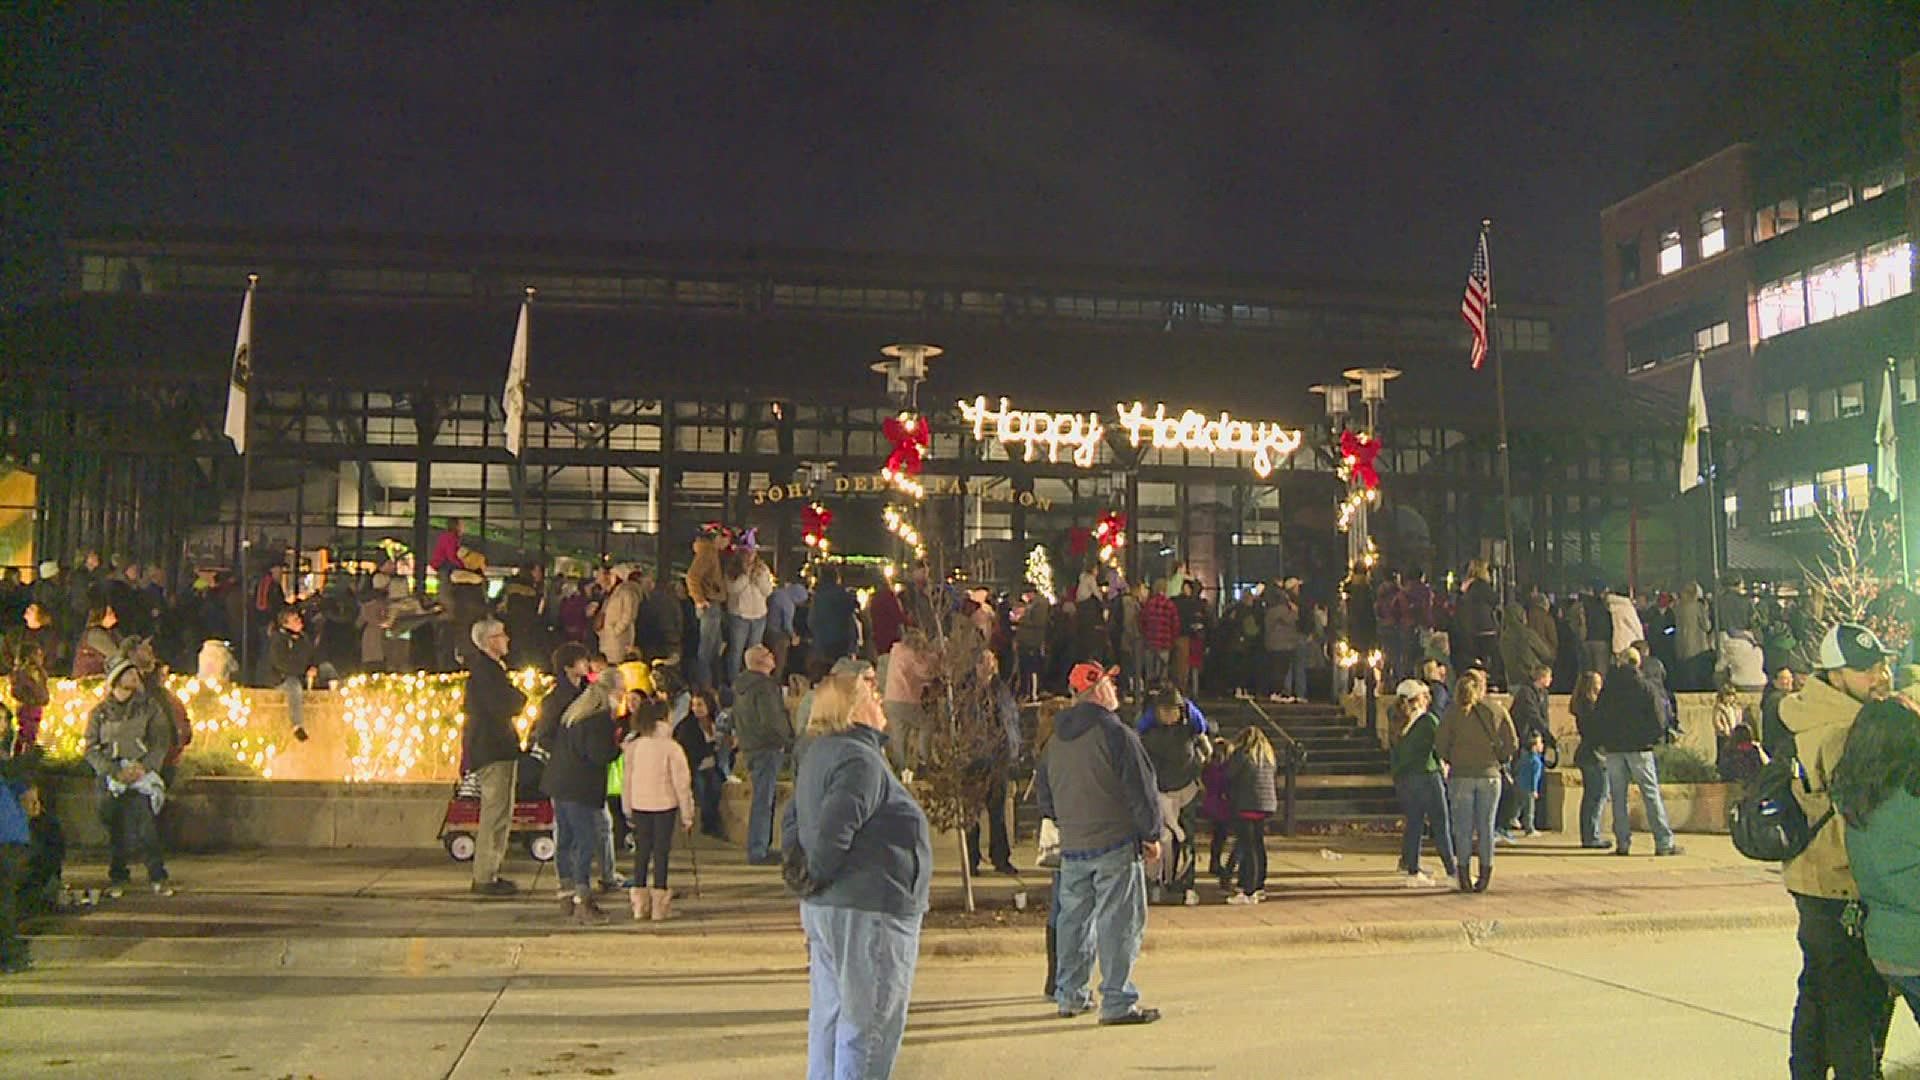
x=1344, y=780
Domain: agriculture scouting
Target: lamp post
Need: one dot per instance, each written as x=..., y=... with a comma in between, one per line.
x=905, y=369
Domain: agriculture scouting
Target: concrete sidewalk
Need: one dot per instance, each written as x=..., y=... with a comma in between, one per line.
x=410, y=910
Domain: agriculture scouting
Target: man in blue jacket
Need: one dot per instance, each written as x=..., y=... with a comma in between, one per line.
x=1095, y=782
x=16, y=805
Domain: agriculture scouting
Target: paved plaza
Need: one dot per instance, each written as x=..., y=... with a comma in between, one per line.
x=376, y=963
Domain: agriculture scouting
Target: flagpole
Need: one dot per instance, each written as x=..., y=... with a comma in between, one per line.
x=1500, y=412
x=1891, y=405
x=246, y=498
x=1713, y=503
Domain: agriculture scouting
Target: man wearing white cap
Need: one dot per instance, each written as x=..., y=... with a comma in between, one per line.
x=618, y=613
x=1844, y=1007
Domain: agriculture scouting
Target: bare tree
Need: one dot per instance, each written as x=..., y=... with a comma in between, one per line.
x=1863, y=556
x=965, y=741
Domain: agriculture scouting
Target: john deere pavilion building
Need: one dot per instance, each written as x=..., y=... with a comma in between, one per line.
x=668, y=389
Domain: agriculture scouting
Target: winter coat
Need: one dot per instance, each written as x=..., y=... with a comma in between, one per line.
x=1627, y=718
x=1540, y=619
x=1531, y=712
x=1159, y=622
x=618, y=614
x=1625, y=623
x=1095, y=782
x=1412, y=753
x=889, y=618
x=747, y=594
x=1741, y=660
x=1819, y=717
x=1217, y=803
x=1476, y=741
x=908, y=674
x=831, y=621
x=1250, y=784
x=1690, y=625
x=1884, y=857
x=657, y=631
x=1521, y=649
x=289, y=655
x=487, y=735
x=1282, y=627
x=656, y=775
x=582, y=748
x=760, y=720
x=705, y=583
x=138, y=729
x=700, y=747
x=373, y=630
x=552, y=708
x=865, y=840
x=1476, y=615
x=97, y=648
x=1031, y=634
x=1178, y=753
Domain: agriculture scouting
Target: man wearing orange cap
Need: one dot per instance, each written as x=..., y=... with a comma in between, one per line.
x=1096, y=783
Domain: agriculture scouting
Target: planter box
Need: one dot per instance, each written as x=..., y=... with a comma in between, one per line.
x=1691, y=808
x=211, y=814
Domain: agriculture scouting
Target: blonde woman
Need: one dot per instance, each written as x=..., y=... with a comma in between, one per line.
x=867, y=856
x=1476, y=738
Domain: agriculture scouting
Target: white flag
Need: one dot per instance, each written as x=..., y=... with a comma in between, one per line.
x=1886, y=466
x=1696, y=423
x=515, y=395
x=236, y=426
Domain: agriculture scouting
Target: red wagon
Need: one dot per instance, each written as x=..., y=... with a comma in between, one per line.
x=532, y=825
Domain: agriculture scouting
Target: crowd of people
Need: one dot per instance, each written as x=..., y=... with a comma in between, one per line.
x=670, y=687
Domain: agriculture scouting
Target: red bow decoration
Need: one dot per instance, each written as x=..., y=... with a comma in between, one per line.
x=815, y=520
x=1111, y=529
x=1078, y=538
x=1357, y=452
x=910, y=438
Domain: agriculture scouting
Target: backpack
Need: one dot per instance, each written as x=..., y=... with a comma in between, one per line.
x=1766, y=823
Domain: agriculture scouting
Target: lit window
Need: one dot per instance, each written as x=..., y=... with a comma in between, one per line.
x=1847, y=487
x=1776, y=411
x=1713, y=233
x=1672, y=255
x=1909, y=386
x=1853, y=400
x=1781, y=306
x=1712, y=337
x=1797, y=412
x=1825, y=199
x=1886, y=270
x=1880, y=181
x=1776, y=220
x=1790, y=499
x=1730, y=510
x=1833, y=289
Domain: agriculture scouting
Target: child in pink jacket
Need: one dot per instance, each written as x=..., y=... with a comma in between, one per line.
x=657, y=793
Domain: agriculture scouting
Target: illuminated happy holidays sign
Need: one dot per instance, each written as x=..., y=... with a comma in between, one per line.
x=1079, y=434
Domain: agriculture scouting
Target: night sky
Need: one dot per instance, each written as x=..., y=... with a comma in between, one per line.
x=1308, y=139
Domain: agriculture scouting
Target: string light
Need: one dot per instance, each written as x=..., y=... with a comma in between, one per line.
x=396, y=727
x=1351, y=505
x=898, y=525
x=1040, y=571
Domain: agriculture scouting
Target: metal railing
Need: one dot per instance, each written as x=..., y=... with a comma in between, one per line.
x=1292, y=756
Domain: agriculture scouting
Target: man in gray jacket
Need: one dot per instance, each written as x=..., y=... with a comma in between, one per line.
x=764, y=733
x=1096, y=783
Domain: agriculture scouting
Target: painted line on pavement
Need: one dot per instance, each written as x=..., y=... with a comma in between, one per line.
x=1656, y=995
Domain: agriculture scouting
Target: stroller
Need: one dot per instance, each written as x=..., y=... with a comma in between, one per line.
x=532, y=817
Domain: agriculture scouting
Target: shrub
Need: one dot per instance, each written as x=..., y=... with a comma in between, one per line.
x=1682, y=765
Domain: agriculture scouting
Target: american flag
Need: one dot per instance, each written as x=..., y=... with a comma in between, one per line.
x=1473, y=306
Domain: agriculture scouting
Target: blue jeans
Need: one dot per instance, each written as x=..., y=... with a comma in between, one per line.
x=860, y=976
x=1423, y=799
x=708, y=784
x=743, y=634
x=706, y=654
x=1103, y=908
x=1471, y=802
x=1636, y=768
x=764, y=768
x=1296, y=686
x=1593, y=796
x=577, y=841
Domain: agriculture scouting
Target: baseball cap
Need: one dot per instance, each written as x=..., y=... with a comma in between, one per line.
x=1850, y=645
x=1086, y=675
x=1410, y=689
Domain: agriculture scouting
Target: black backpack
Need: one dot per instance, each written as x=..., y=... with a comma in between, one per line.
x=1767, y=823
